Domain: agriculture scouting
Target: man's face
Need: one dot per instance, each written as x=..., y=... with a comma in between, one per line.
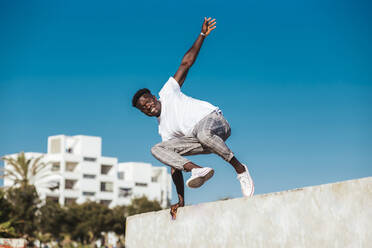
x=149, y=105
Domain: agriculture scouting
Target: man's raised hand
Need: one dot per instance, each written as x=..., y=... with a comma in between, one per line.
x=208, y=25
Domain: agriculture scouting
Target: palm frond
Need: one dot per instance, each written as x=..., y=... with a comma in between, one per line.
x=36, y=164
x=26, y=171
x=9, y=173
x=13, y=163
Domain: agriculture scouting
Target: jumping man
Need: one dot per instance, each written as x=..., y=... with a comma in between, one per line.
x=189, y=126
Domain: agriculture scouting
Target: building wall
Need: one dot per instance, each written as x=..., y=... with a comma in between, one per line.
x=144, y=179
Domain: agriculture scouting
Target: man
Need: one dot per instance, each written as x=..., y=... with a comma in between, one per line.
x=188, y=127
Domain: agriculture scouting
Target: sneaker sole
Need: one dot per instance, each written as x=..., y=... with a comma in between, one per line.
x=250, y=178
x=252, y=189
x=199, y=181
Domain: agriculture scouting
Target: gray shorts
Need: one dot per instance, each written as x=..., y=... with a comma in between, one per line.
x=208, y=136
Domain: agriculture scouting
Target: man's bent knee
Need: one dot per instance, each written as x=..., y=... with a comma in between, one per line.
x=204, y=138
x=155, y=150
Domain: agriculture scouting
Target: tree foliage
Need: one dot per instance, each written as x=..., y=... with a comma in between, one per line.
x=24, y=171
x=51, y=219
x=118, y=218
x=23, y=215
x=6, y=225
x=5, y=208
x=142, y=205
x=87, y=221
x=24, y=202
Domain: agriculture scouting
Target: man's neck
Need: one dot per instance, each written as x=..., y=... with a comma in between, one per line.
x=160, y=110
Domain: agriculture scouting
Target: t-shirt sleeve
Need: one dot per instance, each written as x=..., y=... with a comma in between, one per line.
x=170, y=87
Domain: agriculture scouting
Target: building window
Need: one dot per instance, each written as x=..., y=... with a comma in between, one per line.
x=141, y=184
x=154, y=179
x=105, y=169
x=56, y=166
x=69, y=184
x=89, y=176
x=86, y=193
x=121, y=175
x=70, y=201
x=107, y=187
x=55, y=145
x=125, y=192
x=105, y=202
x=89, y=159
x=70, y=166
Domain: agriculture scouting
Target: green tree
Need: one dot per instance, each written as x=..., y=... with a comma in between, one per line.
x=24, y=201
x=87, y=222
x=117, y=222
x=75, y=217
x=142, y=205
x=117, y=219
x=52, y=219
x=6, y=224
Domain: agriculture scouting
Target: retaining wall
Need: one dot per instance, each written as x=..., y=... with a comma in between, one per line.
x=330, y=215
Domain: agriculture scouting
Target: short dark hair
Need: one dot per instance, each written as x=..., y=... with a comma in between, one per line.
x=138, y=94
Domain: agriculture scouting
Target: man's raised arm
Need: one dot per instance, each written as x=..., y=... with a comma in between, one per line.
x=190, y=56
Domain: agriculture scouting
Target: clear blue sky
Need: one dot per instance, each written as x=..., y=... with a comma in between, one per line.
x=293, y=79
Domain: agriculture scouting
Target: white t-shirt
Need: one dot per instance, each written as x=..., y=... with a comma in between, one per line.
x=179, y=113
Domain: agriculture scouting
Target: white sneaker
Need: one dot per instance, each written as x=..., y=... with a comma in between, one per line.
x=246, y=183
x=199, y=176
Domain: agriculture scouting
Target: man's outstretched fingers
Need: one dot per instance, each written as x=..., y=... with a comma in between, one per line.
x=212, y=21
x=211, y=25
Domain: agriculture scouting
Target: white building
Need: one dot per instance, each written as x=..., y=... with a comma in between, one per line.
x=85, y=174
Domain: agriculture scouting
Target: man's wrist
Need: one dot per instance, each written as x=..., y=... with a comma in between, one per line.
x=203, y=34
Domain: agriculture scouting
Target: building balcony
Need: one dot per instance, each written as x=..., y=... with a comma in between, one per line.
x=105, y=195
x=71, y=158
x=47, y=192
x=74, y=193
x=124, y=184
x=71, y=175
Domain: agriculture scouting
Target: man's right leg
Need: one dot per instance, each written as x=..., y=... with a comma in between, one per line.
x=171, y=153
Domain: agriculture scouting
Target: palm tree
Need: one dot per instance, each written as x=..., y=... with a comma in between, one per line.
x=23, y=172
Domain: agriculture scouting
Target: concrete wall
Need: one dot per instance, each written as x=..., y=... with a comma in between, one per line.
x=331, y=215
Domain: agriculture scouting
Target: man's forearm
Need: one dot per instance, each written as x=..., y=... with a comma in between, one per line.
x=190, y=56
x=177, y=178
x=193, y=52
